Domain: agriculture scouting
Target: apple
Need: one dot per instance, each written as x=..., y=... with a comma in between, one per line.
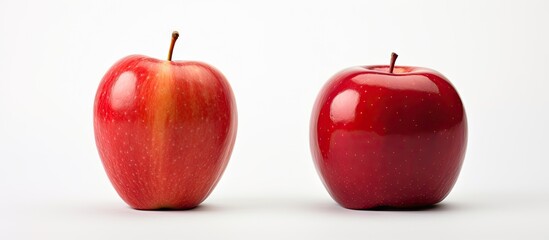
x=388, y=136
x=164, y=130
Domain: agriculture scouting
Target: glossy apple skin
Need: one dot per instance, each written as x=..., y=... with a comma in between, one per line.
x=164, y=130
x=388, y=140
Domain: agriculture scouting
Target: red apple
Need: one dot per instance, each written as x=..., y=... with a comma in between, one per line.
x=164, y=130
x=388, y=136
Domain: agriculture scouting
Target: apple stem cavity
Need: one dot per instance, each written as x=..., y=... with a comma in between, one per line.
x=394, y=57
x=175, y=35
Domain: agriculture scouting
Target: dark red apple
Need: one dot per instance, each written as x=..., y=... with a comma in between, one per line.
x=388, y=136
x=164, y=130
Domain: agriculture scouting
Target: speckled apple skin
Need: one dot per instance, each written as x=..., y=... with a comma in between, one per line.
x=164, y=130
x=388, y=140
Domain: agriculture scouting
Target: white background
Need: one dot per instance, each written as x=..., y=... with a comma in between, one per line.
x=276, y=55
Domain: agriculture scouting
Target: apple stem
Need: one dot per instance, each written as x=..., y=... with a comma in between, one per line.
x=393, y=60
x=175, y=35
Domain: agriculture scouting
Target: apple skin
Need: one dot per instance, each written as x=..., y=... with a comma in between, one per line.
x=164, y=130
x=381, y=139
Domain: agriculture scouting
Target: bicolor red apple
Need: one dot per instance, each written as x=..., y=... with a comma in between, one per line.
x=388, y=136
x=164, y=130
